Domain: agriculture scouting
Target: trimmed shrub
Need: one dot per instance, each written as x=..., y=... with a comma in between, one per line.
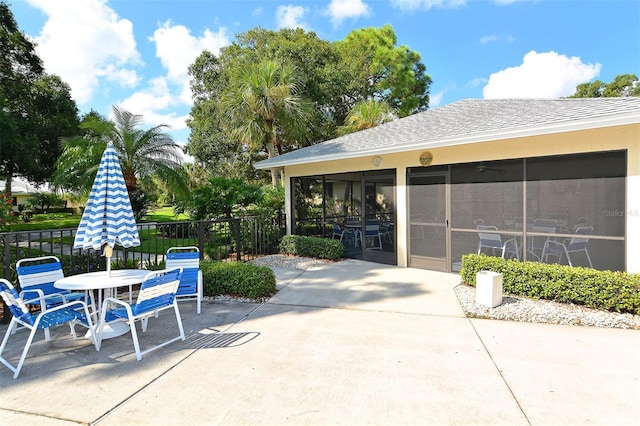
x=323, y=248
x=236, y=278
x=217, y=253
x=605, y=290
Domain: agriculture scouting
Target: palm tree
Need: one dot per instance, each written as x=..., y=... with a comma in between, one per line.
x=142, y=153
x=263, y=106
x=366, y=114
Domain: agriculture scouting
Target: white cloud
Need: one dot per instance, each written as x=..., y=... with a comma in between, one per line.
x=68, y=45
x=476, y=82
x=151, y=103
x=409, y=5
x=495, y=37
x=547, y=75
x=290, y=17
x=155, y=97
x=436, y=98
x=257, y=12
x=339, y=10
x=177, y=49
x=508, y=2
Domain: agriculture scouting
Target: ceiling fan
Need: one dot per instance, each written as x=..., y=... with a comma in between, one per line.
x=484, y=168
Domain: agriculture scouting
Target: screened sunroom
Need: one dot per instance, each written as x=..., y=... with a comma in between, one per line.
x=554, y=181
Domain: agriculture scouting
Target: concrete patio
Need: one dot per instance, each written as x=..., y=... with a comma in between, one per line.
x=347, y=343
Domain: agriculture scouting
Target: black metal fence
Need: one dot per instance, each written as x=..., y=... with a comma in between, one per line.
x=236, y=239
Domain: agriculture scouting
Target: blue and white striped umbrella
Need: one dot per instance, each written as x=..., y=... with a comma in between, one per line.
x=108, y=217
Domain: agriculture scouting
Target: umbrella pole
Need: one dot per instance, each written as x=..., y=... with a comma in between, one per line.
x=108, y=252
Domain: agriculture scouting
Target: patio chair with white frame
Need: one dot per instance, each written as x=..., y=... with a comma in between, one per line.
x=157, y=293
x=493, y=241
x=191, y=284
x=37, y=275
x=72, y=313
x=571, y=245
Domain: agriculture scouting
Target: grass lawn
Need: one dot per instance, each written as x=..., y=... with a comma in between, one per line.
x=163, y=214
x=66, y=220
x=46, y=221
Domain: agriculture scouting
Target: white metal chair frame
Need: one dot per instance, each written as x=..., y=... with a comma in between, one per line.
x=572, y=245
x=191, y=281
x=537, y=242
x=157, y=293
x=72, y=313
x=493, y=241
x=346, y=235
x=37, y=275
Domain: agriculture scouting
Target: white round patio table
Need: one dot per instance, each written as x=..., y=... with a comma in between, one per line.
x=105, y=282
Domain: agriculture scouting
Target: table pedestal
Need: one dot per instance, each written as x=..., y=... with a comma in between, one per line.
x=111, y=330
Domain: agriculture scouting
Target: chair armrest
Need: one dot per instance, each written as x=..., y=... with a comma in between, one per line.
x=105, y=302
x=106, y=308
x=41, y=297
x=552, y=243
x=67, y=305
x=39, y=293
x=554, y=248
x=512, y=240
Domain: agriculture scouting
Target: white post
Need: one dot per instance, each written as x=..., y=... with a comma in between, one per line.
x=489, y=288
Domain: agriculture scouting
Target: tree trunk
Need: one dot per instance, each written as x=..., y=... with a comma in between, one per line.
x=275, y=178
x=130, y=181
x=8, y=180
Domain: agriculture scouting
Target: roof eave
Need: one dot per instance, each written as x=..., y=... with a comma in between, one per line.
x=632, y=117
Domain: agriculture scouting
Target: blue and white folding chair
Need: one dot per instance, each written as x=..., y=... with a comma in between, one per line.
x=72, y=313
x=37, y=275
x=157, y=293
x=187, y=258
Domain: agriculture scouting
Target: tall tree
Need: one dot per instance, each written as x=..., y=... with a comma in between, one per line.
x=366, y=114
x=332, y=77
x=220, y=198
x=209, y=142
x=54, y=115
x=36, y=109
x=142, y=153
x=622, y=85
x=309, y=55
x=371, y=66
x=263, y=104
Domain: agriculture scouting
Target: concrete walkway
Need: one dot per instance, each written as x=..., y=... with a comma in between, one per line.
x=347, y=343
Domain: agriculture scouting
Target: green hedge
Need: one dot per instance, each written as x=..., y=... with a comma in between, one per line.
x=605, y=290
x=236, y=278
x=323, y=248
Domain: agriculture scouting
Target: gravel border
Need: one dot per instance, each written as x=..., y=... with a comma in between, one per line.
x=294, y=262
x=518, y=308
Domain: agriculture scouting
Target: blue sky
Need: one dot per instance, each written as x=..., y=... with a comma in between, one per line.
x=135, y=53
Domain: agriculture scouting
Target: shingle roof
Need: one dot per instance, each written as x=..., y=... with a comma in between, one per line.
x=469, y=121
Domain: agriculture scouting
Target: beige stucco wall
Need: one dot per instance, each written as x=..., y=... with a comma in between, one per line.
x=603, y=139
